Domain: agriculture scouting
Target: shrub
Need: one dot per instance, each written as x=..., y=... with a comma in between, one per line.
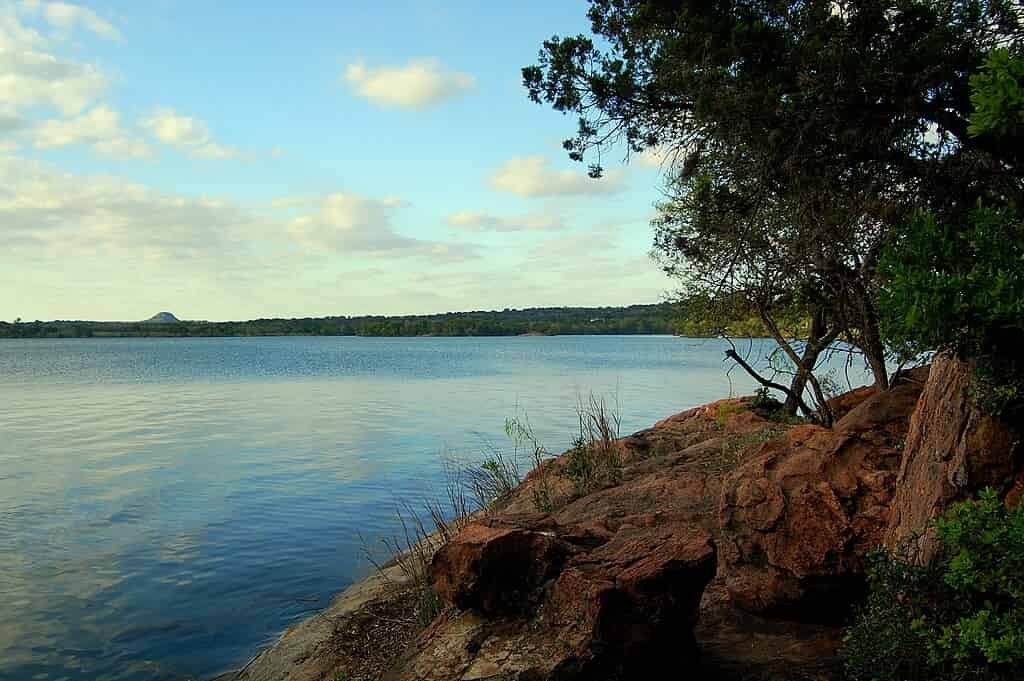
x=764, y=403
x=960, y=617
x=961, y=289
x=952, y=288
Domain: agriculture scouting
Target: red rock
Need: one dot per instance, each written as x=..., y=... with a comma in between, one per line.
x=952, y=450
x=845, y=403
x=638, y=596
x=610, y=585
x=798, y=517
x=621, y=610
x=497, y=569
x=886, y=413
x=1015, y=497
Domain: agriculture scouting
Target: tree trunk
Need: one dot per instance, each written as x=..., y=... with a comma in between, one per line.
x=871, y=337
x=797, y=387
x=818, y=340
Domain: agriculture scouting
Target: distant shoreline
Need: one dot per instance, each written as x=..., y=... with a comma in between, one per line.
x=657, y=319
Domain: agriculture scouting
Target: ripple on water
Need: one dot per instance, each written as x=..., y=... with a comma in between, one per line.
x=167, y=505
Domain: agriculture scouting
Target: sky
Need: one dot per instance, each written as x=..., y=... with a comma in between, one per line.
x=235, y=160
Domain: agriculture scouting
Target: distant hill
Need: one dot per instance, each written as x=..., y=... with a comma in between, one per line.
x=162, y=318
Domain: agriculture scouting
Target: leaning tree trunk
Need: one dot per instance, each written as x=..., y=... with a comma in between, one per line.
x=818, y=340
x=870, y=337
x=798, y=386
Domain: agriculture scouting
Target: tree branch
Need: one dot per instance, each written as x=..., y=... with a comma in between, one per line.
x=734, y=356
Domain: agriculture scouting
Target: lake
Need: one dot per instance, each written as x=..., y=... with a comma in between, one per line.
x=167, y=506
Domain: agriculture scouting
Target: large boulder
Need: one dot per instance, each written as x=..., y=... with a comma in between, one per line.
x=952, y=450
x=498, y=568
x=564, y=602
x=635, y=600
x=799, y=515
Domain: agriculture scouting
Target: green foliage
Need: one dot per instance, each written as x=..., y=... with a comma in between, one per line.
x=520, y=431
x=985, y=544
x=997, y=386
x=886, y=642
x=960, y=617
x=701, y=314
x=428, y=606
x=590, y=467
x=997, y=94
x=950, y=288
x=798, y=134
x=954, y=279
x=726, y=410
x=766, y=406
x=594, y=461
x=961, y=290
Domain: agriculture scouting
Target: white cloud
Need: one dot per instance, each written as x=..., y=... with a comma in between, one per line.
x=209, y=257
x=124, y=148
x=177, y=130
x=69, y=17
x=656, y=157
x=287, y=202
x=217, y=152
x=418, y=84
x=486, y=222
x=99, y=127
x=30, y=75
x=352, y=223
x=34, y=79
x=530, y=176
x=189, y=134
x=47, y=213
x=52, y=215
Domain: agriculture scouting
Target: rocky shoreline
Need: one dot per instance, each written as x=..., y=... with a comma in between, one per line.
x=731, y=547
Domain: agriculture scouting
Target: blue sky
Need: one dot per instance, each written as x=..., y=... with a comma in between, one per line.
x=234, y=160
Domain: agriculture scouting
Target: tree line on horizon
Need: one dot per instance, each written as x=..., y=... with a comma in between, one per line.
x=635, y=319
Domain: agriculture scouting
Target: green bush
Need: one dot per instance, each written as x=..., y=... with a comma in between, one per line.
x=952, y=288
x=960, y=617
x=997, y=94
x=962, y=290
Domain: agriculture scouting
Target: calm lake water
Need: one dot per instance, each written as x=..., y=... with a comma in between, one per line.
x=167, y=506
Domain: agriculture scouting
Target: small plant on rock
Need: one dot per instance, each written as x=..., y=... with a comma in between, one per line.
x=724, y=411
x=595, y=459
x=424, y=529
x=524, y=440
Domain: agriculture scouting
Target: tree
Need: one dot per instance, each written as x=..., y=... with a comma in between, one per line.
x=815, y=127
x=954, y=280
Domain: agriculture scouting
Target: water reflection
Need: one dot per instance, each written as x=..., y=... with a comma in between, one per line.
x=168, y=505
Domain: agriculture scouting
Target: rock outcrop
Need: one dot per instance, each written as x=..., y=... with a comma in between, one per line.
x=537, y=600
x=729, y=546
x=799, y=515
x=612, y=584
x=952, y=450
